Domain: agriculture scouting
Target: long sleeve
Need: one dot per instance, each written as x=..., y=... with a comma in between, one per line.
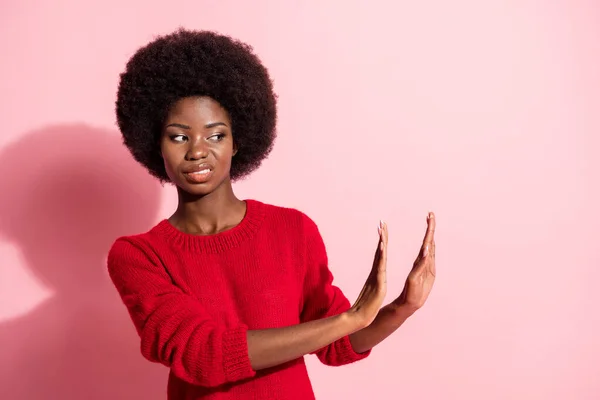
x=173, y=327
x=323, y=299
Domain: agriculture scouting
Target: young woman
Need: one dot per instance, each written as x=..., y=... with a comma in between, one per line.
x=230, y=294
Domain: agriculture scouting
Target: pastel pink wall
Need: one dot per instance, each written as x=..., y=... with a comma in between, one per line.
x=486, y=112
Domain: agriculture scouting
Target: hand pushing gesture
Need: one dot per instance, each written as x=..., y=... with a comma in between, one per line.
x=417, y=287
x=422, y=275
x=371, y=297
x=366, y=322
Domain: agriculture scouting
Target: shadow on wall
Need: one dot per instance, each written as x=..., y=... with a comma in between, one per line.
x=67, y=193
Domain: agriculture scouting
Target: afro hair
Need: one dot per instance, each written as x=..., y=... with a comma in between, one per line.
x=196, y=63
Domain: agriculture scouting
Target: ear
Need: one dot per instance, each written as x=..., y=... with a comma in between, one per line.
x=235, y=149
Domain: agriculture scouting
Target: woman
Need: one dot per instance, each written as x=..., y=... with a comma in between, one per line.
x=231, y=294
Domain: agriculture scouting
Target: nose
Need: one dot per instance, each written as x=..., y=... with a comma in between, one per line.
x=197, y=150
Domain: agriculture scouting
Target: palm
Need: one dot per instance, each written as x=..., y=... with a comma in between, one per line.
x=422, y=275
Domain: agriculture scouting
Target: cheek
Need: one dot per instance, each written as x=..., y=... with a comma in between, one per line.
x=168, y=167
x=168, y=160
x=229, y=160
x=225, y=154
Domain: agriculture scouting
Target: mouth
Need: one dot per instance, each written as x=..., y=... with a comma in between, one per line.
x=198, y=173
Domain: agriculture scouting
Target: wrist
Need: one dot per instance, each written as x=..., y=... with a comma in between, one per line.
x=402, y=309
x=352, y=321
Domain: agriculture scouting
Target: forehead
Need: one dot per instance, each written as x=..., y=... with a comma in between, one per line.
x=202, y=110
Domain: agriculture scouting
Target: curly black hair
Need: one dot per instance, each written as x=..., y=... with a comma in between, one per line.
x=197, y=63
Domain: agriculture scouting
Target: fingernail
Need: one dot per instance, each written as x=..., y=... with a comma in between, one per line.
x=425, y=251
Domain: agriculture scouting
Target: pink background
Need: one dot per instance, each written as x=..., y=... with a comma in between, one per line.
x=486, y=112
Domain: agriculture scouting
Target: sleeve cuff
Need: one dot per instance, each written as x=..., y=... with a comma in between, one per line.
x=346, y=352
x=236, y=361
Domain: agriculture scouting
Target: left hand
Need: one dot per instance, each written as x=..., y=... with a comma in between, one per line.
x=420, y=279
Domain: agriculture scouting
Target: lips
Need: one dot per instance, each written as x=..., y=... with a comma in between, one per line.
x=197, y=168
x=199, y=173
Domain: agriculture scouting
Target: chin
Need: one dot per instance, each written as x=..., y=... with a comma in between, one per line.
x=196, y=190
x=199, y=189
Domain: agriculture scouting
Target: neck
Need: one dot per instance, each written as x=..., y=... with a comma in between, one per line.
x=210, y=213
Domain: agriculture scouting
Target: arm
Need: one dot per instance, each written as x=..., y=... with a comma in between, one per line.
x=176, y=331
x=322, y=299
x=389, y=318
x=271, y=347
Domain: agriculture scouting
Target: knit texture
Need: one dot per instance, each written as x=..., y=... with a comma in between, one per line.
x=192, y=299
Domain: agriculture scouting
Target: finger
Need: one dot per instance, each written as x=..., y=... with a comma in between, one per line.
x=384, y=246
x=425, y=262
x=382, y=249
x=380, y=235
x=384, y=233
x=382, y=262
x=382, y=268
x=377, y=261
x=430, y=228
x=432, y=262
x=377, y=257
x=428, y=239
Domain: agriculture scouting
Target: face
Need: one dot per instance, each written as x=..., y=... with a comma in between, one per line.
x=197, y=145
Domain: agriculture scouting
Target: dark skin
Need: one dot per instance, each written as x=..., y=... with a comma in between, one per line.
x=197, y=146
x=198, y=132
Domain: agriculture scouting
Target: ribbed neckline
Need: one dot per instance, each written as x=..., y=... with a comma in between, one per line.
x=219, y=241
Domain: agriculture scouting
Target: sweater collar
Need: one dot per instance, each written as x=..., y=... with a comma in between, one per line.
x=218, y=242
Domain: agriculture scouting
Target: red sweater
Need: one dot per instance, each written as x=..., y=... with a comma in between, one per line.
x=192, y=298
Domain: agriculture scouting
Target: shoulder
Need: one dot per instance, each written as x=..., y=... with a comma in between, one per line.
x=290, y=216
x=292, y=219
x=135, y=246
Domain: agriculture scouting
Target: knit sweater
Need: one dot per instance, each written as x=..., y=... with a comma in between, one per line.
x=192, y=299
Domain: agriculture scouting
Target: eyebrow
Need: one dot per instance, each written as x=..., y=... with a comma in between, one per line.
x=207, y=126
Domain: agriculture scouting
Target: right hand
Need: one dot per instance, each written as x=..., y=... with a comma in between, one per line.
x=371, y=297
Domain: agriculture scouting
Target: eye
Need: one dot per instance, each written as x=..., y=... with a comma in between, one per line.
x=217, y=138
x=178, y=138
